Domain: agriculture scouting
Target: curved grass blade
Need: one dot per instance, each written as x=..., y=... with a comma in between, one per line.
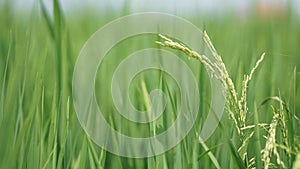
x=211, y=156
x=237, y=158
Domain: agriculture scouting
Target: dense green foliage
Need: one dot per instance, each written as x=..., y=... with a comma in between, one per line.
x=39, y=128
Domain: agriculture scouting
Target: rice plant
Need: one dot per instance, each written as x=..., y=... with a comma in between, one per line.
x=238, y=111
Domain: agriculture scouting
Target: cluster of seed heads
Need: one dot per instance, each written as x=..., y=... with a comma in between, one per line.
x=237, y=105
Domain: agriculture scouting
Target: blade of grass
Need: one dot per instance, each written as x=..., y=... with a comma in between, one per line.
x=94, y=156
x=58, y=43
x=92, y=161
x=47, y=19
x=83, y=154
x=211, y=156
x=208, y=150
x=258, y=162
x=63, y=152
x=4, y=79
x=102, y=158
x=178, y=158
x=236, y=156
x=290, y=123
x=49, y=157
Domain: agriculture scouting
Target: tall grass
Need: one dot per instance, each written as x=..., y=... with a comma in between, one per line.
x=39, y=128
x=238, y=111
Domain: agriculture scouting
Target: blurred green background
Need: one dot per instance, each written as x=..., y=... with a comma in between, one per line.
x=39, y=45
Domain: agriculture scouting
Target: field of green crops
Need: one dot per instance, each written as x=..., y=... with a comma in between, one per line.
x=39, y=127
